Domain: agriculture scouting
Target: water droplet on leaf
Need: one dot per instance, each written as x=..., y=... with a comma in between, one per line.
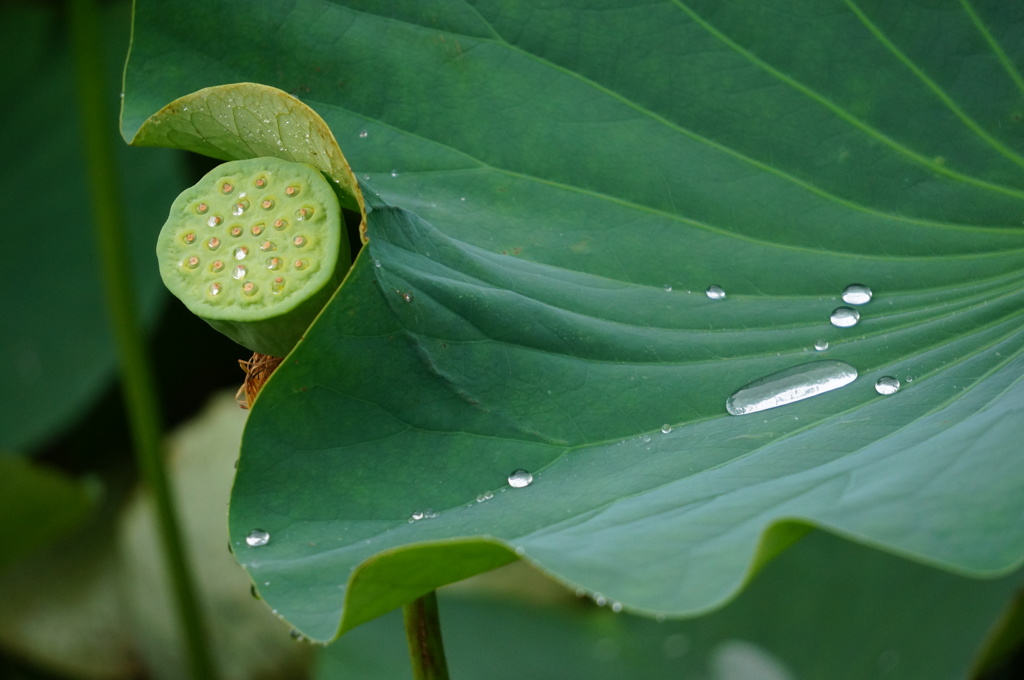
x=715, y=292
x=887, y=385
x=257, y=537
x=792, y=384
x=844, y=317
x=821, y=345
x=857, y=294
x=520, y=479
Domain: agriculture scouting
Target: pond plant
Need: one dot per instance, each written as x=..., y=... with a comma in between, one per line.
x=704, y=311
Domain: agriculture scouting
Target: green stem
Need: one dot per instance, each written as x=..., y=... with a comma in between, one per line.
x=423, y=630
x=136, y=370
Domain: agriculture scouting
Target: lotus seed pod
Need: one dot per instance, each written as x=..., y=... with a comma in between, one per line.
x=254, y=249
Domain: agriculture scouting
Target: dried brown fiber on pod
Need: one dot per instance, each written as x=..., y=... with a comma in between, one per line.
x=258, y=370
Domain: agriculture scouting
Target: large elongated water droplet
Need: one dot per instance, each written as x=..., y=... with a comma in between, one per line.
x=792, y=384
x=857, y=294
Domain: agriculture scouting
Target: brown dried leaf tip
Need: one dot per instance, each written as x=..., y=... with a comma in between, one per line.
x=257, y=370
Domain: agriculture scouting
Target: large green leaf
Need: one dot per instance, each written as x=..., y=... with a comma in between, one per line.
x=569, y=179
x=812, y=613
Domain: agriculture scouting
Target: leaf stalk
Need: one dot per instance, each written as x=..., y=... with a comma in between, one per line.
x=423, y=631
x=137, y=381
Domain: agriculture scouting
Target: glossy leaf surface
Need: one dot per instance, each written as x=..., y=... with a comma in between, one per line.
x=568, y=181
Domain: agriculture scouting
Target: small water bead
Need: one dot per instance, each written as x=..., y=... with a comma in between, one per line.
x=887, y=385
x=416, y=516
x=793, y=384
x=267, y=246
x=273, y=263
x=406, y=296
x=301, y=264
x=240, y=252
x=844, y=317
x=646, y=439
x=821, y=345
x=213, y=243
x=291, y=191
x=299, y=241
x=278, y=285
x=235, y=231
x=227, y=188
x=192, y=262
x=667, y=288
x=202, y=208
x=257, y=538
x=280, y=224
x=190, y=238
x=257, y=229
x=214, y=220
x=249, y=288
x=214, y=289
x=857, y=294
x=715, y=292
x=363, y=134
x=239, y=208
x=239, y=272
x=267, y=203
x=666, y=428
x=394, y=173
x=217, y=266
x=484, y=497
x=304, y=213
x=520, y=479
x=616, y=607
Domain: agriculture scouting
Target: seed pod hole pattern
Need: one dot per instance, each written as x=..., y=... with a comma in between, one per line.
x=260, y=205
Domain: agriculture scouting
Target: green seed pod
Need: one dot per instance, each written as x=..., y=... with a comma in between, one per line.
x=254, y=249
